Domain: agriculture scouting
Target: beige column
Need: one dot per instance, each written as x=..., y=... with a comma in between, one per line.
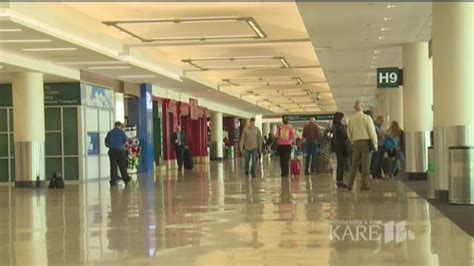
x=453, y=95
x=29, y=136
x=216, y=136
x=417, y=101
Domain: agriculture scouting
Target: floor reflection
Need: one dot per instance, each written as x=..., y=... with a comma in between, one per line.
x=216, y=216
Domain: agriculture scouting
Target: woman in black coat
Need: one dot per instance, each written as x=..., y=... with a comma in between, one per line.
x=342, y=147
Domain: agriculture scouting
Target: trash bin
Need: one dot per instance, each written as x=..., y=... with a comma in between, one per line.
x=461, y=175
x=431, y=173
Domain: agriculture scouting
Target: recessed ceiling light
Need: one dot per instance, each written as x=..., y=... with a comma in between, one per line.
x=108, y=67
x=376, y=52
x=58, y=49
x=10, y=30
x=391, y=6
x=136, y=76
x=375, y=57
x=381, y=38
x=387, y=18
x=383, y=29
x=25, y=41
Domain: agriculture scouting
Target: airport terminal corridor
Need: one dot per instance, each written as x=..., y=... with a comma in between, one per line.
x=214, y=215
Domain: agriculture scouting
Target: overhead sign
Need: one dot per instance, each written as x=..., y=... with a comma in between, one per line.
x=305, y=118
x=389, y=77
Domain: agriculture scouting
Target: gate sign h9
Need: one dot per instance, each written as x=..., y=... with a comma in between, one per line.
x=389, y=77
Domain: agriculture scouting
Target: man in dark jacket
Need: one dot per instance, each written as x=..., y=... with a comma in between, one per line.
x=115, y=141
x=179, y=141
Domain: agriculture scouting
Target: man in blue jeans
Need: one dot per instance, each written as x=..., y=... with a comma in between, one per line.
x=310, y=138
x=251, y=145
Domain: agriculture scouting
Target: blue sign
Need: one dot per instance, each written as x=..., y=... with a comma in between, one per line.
x=93, y=143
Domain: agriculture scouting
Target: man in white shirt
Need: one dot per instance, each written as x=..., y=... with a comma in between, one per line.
x=361, y=132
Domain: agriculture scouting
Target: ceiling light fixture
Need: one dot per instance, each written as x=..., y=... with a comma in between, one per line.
x=284, y=62
x=376, y=52
x=383, y=29
x=121, y=26
x=387, y=18
x=391, y=6
x=381, y=38
x=58, y=49
x=72, y=63
x=25, y=41
x=107, y=67
x=375, y=57
x=10, y=30
x=136, y=76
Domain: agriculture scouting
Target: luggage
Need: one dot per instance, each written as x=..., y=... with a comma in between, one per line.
x=187, y=159
x=295, y=167
x=57, y=181
x=322, y=162
x=387, y=165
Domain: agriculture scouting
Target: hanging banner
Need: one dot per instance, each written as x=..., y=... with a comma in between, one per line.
x=193, y=109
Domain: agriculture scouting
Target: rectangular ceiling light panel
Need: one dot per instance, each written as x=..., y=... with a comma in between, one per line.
x=263, y=81
x=190, y=29
x=247, y=62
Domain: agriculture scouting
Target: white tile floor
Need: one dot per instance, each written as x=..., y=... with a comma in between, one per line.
x=215, y=216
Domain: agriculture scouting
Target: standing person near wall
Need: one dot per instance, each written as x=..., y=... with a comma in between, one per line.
x=361, y=131
x=310, y=138
x=285, y=137
x=397, y=133
x=178, y=139
x=377, y=157
x=251, y=145
x=115, y=141
x=342, y=146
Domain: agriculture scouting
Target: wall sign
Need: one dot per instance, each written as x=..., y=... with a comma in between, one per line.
x=389, y=77
x=97, y=96
x=62, y=94
x=93, y=143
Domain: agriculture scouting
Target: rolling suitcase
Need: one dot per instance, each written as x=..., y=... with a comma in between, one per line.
x=187, y=159
x=295, y=167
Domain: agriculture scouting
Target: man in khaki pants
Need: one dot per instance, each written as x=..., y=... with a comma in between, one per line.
x=361, y=132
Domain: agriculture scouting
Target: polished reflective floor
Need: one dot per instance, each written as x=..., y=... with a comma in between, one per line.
x=216, y=216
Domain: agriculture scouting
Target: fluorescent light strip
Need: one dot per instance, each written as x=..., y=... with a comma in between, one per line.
x=59, y=49
x=26, y=41
x=284, y=62
x=10, y=30
x=108, y=67
x=136, y=76
x=72, y=63
x=257, y=30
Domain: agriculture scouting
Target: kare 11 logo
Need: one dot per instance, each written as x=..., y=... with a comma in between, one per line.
x=360, y=230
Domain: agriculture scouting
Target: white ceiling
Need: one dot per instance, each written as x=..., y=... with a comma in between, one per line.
x=255, y=56
x=368, y=36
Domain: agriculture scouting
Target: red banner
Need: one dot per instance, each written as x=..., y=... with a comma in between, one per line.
x=193, y=109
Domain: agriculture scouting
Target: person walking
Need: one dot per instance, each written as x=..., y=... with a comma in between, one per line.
x=342, y=147
x=178, y=139
x=397, y=133
x=310, y=138
x=377, y=157
x=361, y=132
x=251, y=146
x=115, y=141
x=285, y=137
